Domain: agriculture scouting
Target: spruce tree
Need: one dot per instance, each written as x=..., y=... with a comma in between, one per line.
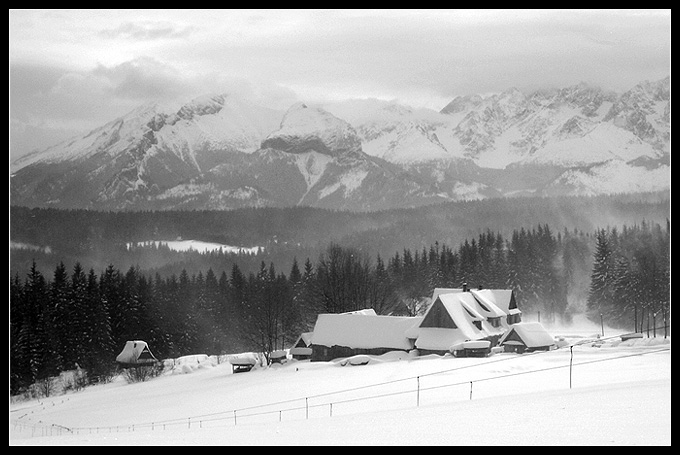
x=601, y=295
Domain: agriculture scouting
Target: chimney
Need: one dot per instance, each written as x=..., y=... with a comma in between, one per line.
x=465, y=288
x=479, y=288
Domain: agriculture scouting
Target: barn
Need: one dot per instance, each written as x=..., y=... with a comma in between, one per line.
x=363, y=332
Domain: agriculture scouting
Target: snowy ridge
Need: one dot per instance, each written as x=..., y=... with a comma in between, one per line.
x=221, y=152
x=305, y=129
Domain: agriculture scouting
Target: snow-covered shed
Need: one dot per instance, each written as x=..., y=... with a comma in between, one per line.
x=302, y=348
x=136, y=353
x=526, y=336
x=362, y=332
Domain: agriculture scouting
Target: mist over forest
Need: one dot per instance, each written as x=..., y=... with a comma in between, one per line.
x=97, y=239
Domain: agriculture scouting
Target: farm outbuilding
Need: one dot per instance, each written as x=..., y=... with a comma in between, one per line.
x=242, y=364
x=526, y=336
x=135, y=354
x=302, y=349
x=363, y=332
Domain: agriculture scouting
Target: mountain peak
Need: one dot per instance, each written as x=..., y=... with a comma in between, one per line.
x=305, y=129
x=203, y=105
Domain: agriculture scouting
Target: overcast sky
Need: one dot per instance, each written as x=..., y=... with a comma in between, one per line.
x=74, y=70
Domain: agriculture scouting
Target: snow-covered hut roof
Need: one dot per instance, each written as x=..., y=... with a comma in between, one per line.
x=135, y=352
x=304, y=340
x=532, y=334
x=362, y=331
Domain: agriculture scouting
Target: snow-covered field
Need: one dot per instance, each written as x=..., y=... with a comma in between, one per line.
x=198, y=246
x=619, y=395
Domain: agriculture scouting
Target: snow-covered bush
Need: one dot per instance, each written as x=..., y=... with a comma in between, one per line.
x=143, y=373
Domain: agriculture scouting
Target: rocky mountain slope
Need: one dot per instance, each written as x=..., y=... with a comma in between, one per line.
x=222, y=152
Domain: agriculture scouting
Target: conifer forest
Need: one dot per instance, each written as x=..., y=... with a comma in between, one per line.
x=83, y=317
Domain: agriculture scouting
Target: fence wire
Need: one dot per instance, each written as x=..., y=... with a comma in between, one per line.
x=233, y=416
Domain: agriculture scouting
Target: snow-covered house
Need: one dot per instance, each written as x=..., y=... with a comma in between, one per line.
x=362, y=332
x=450, y=319
x=459, y=315
x=526, y=336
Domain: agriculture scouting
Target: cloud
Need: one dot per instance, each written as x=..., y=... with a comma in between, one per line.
x=147, y=30
x=143, y=78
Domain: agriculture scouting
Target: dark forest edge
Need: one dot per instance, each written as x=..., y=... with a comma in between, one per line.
x=96, y=239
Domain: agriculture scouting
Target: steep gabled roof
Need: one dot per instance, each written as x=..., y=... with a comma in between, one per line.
x=304, y=340
x=531, y=334
x=135, y=352
x=450, y=319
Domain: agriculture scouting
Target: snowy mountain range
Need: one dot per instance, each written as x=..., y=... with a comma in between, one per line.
x=223, y=152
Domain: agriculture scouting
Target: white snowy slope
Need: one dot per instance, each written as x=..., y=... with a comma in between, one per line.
x=218, y=122
x=305, y=129
x=616, y=393
x=611, y=177
x=113, y=138
x=394, y=132
x=209, y=122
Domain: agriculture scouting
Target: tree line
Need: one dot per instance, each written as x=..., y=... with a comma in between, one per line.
x=630, y=280
x=85, y=318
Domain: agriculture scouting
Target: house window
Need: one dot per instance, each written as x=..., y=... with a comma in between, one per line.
x=514, y=318
x=495, y=322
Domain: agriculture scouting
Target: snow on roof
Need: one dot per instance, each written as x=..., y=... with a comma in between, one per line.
x=365, y=312
x=439, y=339
x=305, y=337
x=498, y=298
x=362, y=331
x=459, y=306
x=456, y=305
x=132, y=351
x=469, y=304
x=486, y=301
x=533, y=334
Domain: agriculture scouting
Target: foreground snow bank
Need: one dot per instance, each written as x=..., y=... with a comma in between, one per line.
x=617, y=394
